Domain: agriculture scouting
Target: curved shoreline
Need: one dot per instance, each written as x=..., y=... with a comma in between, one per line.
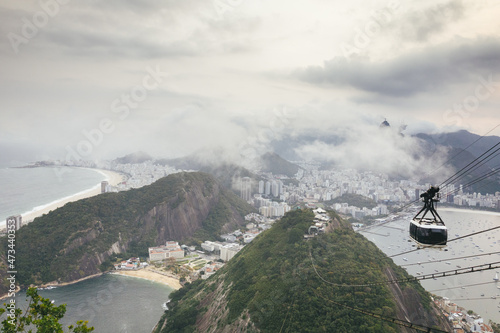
x=468, y=210
x=55, y=284
x=145, y=274
x=112, y=177
x=151, y=275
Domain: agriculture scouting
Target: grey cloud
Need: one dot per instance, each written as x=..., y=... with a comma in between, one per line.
x=85, y=43
x=427, y=71
x=421, y=25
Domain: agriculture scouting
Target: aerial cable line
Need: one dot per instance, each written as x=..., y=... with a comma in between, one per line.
x=467, y=167
x=469, y=174
x=396, y=321
x=463, y=150
x=458, y=271
x=472, y=182
x=451, y=240
x=476, y=180
x=472, y=299
x=450, y=259
x=466, y=285
x=288, y=310
x=480, y=157
x=477, y=166
x=488, y=183
x=460, y=173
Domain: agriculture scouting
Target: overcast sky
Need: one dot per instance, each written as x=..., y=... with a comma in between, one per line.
x=102, y=78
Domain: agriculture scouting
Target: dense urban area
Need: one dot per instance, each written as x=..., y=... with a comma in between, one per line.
x=369, y=198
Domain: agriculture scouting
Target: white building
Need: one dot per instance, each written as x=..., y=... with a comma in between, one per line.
x=170, y=250
x=227, y=252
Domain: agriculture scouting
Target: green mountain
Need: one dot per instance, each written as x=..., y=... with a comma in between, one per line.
x=354, y=200
x=81, y=238
x=281, y=282
x=134, y=158
x=272, y=162
x=228, y=174
x=463, y=147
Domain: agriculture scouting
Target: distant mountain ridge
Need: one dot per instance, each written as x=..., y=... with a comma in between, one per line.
x=460, y=155
x=133, y=158
x=461, y=140
x=272, y=162
x=79, y=239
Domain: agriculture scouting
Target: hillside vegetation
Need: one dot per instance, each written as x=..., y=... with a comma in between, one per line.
x=272, y=162
x=354, y=200
x=80, y=238
x=272, y=286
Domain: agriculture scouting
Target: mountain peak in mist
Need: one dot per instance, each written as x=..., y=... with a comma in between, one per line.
x=134, y=158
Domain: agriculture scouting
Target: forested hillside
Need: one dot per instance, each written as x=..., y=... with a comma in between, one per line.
x=80, y=238
x=283, y=283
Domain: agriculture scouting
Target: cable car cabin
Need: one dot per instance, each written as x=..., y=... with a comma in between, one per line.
x=429, y=231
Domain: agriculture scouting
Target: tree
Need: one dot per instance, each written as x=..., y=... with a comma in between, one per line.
x=41, y=314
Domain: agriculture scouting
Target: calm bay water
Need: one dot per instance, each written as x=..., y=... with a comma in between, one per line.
x=111, y=303
x=475, y=291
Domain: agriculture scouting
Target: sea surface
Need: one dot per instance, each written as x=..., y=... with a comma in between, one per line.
x=24, y=190
x=473, y=291
x=111, y=303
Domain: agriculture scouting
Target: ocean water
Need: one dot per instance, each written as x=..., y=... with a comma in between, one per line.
x=111, y=303
x=28, y=189
x=473, y=291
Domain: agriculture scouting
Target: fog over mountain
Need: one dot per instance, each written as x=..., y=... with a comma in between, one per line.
x=98, y=80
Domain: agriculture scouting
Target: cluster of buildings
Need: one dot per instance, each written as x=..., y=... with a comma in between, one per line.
x=171, y=249
x=461, y=320
x=217, y=251
x=274, y=196
x=462, y=198
x=325, y=185
x=225, y=251
x=234, y=241
x=211, y=269
x=360, y=213
x=320, y=222
x=270, y=208
x=130, y=264
x=140, y=174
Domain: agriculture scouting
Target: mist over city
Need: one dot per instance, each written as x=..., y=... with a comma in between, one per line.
x=173, y=78
x=237, y=165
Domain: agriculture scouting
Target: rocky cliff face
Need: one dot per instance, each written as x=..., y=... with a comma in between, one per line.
x=177, y=218
x=76, y=240
x=183, y=215
x=409, y=307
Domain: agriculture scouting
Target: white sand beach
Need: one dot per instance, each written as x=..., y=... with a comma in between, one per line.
x=151, y=275
x=113, y=178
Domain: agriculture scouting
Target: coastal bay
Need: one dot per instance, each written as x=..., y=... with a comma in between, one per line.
x=113, y=178
x=32, y=192
x=151, y=275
